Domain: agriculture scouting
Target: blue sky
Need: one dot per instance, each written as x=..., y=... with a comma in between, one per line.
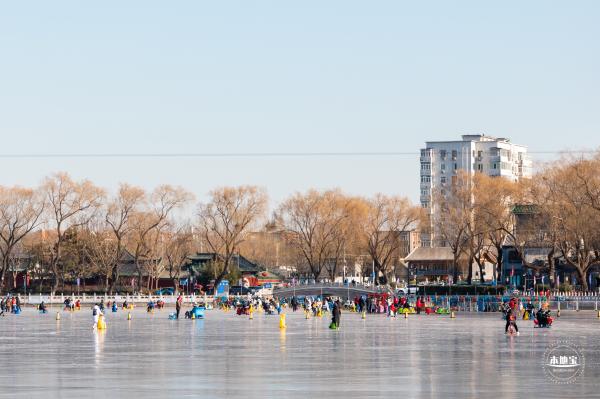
x=282, y=76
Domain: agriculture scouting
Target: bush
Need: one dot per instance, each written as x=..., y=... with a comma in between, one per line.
x=565, y=287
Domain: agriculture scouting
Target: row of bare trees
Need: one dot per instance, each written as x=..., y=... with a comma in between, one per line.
x=326, y=227
x=474, y=219
x=557, y=211
x=75, y=229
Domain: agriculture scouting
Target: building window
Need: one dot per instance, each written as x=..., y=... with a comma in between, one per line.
x=443, y=179
x=494, y=165
x=455, y=166
x=454, y=154
x=443, y=154
x=443, y=166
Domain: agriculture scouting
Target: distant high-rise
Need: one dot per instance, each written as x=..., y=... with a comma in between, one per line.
x=441, y=161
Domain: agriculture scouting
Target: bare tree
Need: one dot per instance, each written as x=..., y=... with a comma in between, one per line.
x=177, y=247
x=313, y=221
x=118, y=218
x=347, y=215
x=70, y=204
x=227, y=218
x=164, y=201
x=155, y=262
x=573, y=215
x=494, y=199
x=20, y=213
x=455, y=216
x=386, y=218
x=101, y=250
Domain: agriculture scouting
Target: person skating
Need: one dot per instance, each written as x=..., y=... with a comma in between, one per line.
x=336, y=315
x=96, y=312
x=510, y=319
x=178, y=303
x=543, y=317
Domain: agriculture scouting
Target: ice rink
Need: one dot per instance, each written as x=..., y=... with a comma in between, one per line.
x=227, y=355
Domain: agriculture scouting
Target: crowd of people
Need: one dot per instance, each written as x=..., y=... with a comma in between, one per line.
x=10, y=304
x=512, y=308
x=317, y=306
x=388, y=304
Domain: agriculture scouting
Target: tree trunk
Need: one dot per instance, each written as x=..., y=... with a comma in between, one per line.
x=581, y=273
x=481, y=280
x=55, y=277
x=114, y=277
x=115, y=270
x=2, y=274
x=389, y=278
x=551, y=269
x=62, y=278
x=455, y=269
x=221, y=275
x=498, y=266
x=316, y=273
x=470, y=271
x=332, y=273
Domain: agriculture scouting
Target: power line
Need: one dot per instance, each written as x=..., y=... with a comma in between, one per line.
x=206, y=155
x=248, y=154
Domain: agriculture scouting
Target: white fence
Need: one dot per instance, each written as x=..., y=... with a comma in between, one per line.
x=34, y=299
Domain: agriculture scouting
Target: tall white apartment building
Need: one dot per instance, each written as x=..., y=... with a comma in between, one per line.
x=441, y=160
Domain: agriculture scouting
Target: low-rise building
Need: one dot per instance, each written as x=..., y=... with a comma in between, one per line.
x=430, y=264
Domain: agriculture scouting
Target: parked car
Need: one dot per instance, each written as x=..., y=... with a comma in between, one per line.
x=165, y=291
x=239, y=290
x=408, y=290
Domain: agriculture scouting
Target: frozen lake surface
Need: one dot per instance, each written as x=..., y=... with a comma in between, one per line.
x=227, y=355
